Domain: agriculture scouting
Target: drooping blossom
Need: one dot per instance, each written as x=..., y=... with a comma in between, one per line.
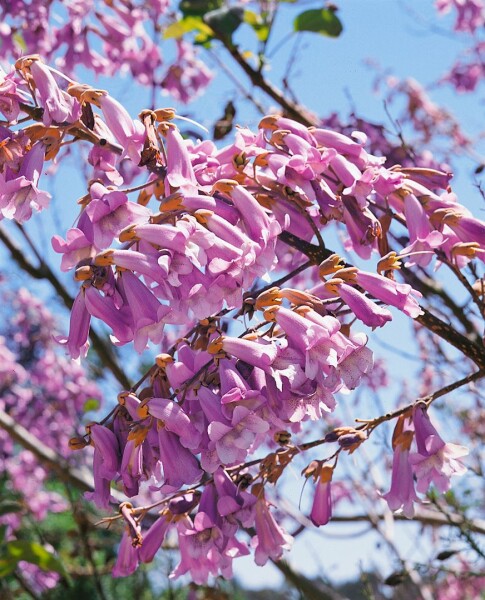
x=321, y=512
x=435, y=461
x=270, y=540
x=402, y=494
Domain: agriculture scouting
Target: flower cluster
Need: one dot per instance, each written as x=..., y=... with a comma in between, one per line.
x=107, y=39
x=434, y=461
x=46, y=393
x=197, y=247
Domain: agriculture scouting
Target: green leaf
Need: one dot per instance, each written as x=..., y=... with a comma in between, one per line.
x=31, y=552
x=9, y=506
x=256, y=22
x=91, y=404
x=186, y=25
x=7, y=566
x=323, y=21
x=198, y=8
x=225, y=20
x=19, y=40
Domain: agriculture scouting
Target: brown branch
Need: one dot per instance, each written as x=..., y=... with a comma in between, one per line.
x=371, y=424
x=47, y=456
x=424, y=516
x=310, y=590
x=292, y=109
x=448, y=333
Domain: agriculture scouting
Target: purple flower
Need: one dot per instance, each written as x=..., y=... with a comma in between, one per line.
x=180, y=467
x=130, y=134
x=106, y=463
x=147, y=313
x=109, y=212
x=10, y=96
x=132, y=467
x=180, y=173
x=76, y=248
x=19, y=193
x=270, y=540
x=400, y=295
x=402, y=494
x=435, y=461
x=118, y=318
x=174, y=419
x=153, y=539
x=423, y=238
x=364, y=308
x=127, y=560
x=232, y=501
x=255, y=353
x=233, y=442
x=321, y=512
x=58, y=106
x=77, y=339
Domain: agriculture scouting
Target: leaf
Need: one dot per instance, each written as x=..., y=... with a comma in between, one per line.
x=395, y=579
x=256, y=22
x=91, y=404
x=32, y=552
x=9, y=506
x=19, y=40
x=198, y=8
x=225, y=20
x=186, y=25
x=445, y=554
x=323, y=21
x=7, y=566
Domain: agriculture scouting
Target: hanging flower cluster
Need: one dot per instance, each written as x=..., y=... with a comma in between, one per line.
x=256, y=360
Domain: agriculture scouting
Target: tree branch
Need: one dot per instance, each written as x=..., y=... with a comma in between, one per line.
x=292, y=109
x=43, y=271
x=66, y=472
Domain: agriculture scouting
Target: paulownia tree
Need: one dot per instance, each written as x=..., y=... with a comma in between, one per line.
x=248, y=270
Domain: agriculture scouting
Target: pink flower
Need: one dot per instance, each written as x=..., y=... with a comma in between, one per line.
x=77, y=340
x=76, y=248
x=321, y=512
x=180, y=173
x=59, y=107
x=19, y=193
x=130, y=134
x=234, y=441
x=270, y=540
x=180, y=467
x=400, y=295
x=435, y=461
x=106, y=463
x=10, y=96
x=127, y=560
x=174, y=419
x=470, y=13
x=364, y=308
x=402, y=494
x=153, y=539
x=254, y=353
x=109, y=212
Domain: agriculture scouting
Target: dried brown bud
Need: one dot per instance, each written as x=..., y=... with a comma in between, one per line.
x=77, y=443
x=282, y=437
